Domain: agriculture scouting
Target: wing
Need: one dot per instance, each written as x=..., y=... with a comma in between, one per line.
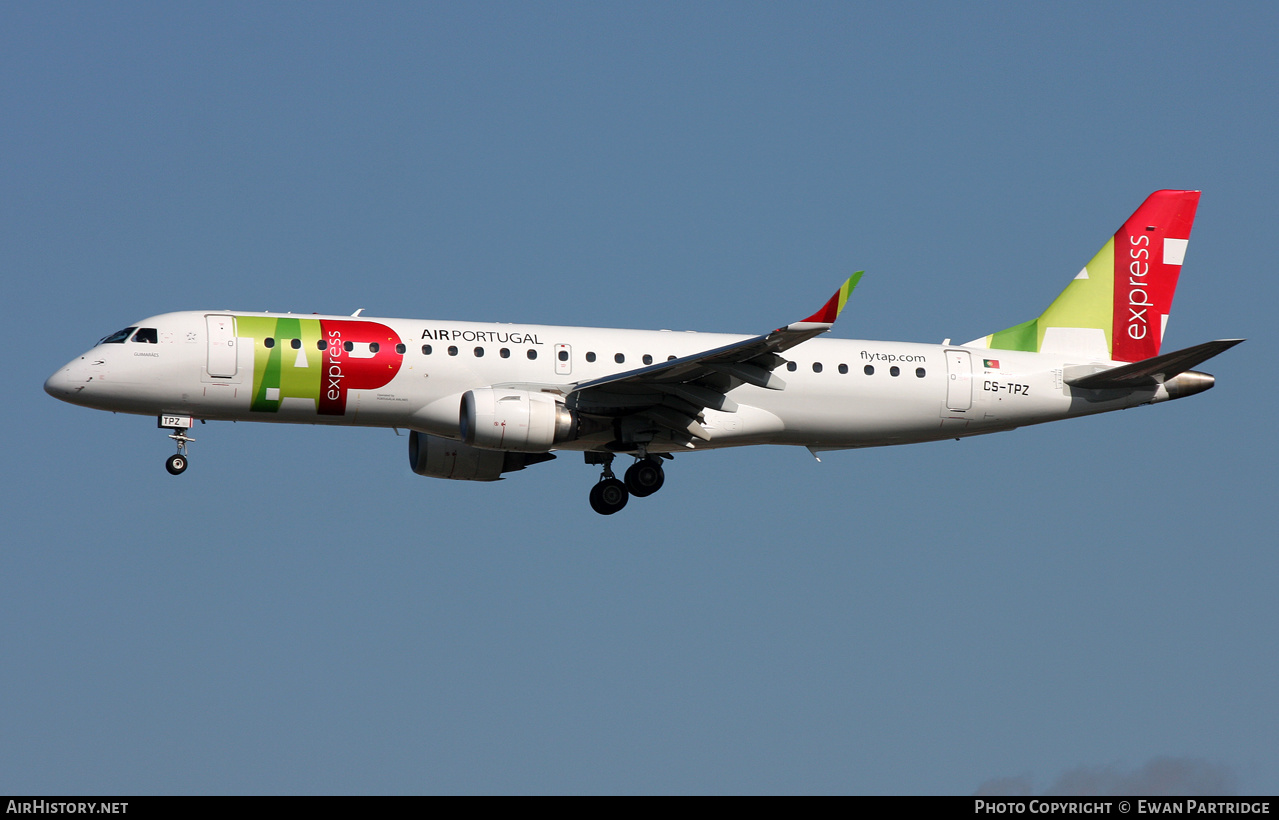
x=669, y=397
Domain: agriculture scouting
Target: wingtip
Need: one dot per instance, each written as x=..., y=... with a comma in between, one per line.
x=835, y=305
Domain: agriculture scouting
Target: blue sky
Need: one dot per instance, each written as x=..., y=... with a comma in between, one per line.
x=299, y=613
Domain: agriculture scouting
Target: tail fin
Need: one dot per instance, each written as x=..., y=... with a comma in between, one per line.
x=1118, y=305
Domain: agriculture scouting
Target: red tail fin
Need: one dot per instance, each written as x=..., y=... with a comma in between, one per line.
x=1149, y=250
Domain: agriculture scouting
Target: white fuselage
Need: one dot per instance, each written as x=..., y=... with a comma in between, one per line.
x=409, y=373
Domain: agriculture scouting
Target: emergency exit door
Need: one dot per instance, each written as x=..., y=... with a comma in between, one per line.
x=222, y=353
x=959, y=380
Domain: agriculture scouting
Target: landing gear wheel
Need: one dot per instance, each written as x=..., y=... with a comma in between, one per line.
x=176, y=464
x=609, y=496
x=644, y=477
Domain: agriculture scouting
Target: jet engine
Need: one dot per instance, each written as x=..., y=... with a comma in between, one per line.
x=515, y=420
x=444, y=458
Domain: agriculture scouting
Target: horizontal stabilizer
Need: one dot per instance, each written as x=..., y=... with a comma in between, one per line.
x=1156, y=370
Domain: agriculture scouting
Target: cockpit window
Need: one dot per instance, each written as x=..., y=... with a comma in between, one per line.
x=117, y=338
x=146, y=335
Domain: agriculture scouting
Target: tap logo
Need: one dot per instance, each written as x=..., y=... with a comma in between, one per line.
x=317, y=360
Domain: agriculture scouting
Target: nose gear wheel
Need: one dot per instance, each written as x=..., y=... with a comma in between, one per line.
x=177, y=464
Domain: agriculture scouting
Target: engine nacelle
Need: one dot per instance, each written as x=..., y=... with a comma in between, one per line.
x=514, y=420
x=444, y=458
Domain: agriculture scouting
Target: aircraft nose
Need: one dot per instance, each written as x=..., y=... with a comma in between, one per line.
x=56, y=385
x=63, y=384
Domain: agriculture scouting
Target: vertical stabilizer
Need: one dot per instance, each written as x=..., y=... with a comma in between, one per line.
x=1116, y=307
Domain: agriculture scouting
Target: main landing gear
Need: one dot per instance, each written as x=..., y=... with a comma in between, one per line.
x=643, y=478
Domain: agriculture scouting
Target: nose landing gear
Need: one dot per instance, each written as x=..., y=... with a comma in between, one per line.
x=177, y=464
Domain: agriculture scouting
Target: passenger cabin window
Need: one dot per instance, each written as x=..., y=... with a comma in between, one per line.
x=894, y=371
x=619, y=358
x=590, y=357
x=374, y=347
x=348, y=346
x=269, y=343
x=426, y=350
x=505, y=353
x=648, y=359
x=919, y=371
x=452, y=350
x=843, y=370
x=532, y=354
x=146, y=335
x=119, y=337
x=792, y=367
x=296, y=344
x=479, y=351
x=869, y=370
x=563, y=354
x=817, y=367
x=400, y=349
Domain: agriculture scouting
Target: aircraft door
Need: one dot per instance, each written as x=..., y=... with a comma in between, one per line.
x=563, y=360
x=222, y=353
x=959, y=380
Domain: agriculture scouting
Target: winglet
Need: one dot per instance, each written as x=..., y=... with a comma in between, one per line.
x=835, y=305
